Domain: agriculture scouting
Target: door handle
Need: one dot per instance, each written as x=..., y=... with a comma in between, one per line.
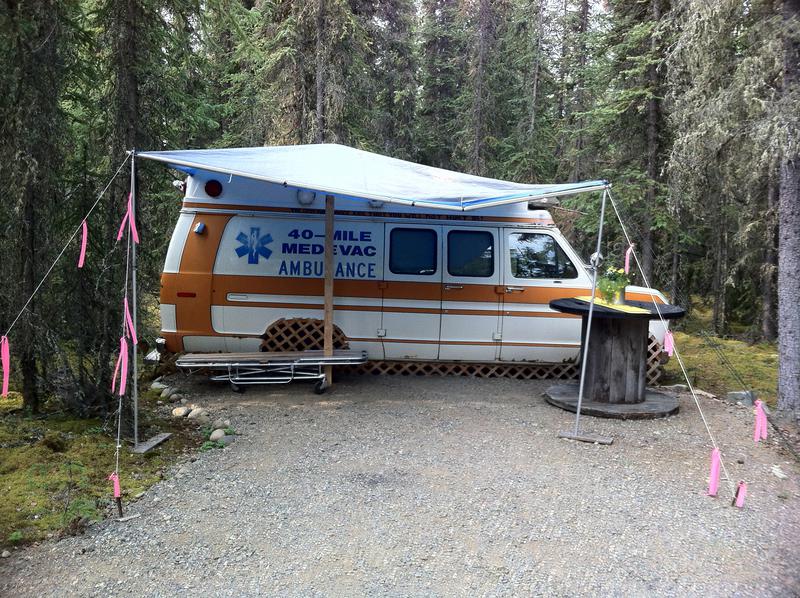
x=453, y=287
x=514, y=289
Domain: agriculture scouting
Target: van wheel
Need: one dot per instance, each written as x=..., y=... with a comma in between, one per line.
x=320, y=387
x=236, y=388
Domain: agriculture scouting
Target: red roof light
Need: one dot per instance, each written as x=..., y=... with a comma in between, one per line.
x=213, y=188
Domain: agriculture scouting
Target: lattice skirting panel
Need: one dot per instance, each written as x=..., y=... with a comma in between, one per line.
x=538, y=371
x=563, y=371
x=302, y=334
x=656, y=359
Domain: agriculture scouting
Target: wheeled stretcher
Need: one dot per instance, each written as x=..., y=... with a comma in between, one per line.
x=240, y=369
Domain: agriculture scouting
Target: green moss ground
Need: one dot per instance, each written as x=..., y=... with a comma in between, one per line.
x=53, y=470
x=756, y=363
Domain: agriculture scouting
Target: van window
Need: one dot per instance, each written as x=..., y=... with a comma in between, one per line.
x=412, y=251
x=534, y=255
x=470, y=253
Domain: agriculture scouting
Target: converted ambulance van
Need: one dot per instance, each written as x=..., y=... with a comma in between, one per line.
x=411, y=283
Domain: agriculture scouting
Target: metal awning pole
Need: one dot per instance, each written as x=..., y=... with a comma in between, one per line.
x=595, y=260
x=135, y=389
x=327, y=344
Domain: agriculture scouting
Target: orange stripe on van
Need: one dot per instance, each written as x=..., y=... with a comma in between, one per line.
x=393, y=309
x=193, y=313
x=391, y=289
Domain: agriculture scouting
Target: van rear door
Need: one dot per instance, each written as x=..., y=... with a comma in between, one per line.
x=412, y=291
x=471, y=301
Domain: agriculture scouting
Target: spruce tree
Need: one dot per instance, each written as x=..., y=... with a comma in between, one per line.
x=442, y=42
x=31, y=154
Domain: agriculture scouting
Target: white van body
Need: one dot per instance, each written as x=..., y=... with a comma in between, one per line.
x=410, y=283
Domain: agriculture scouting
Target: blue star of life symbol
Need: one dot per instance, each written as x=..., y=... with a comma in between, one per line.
x=254, y=245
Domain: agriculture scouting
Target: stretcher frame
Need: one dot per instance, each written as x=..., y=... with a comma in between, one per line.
x=242, y=369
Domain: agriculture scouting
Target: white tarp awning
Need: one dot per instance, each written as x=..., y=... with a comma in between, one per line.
x=356, y=174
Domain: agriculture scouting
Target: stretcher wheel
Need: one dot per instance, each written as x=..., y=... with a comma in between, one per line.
x=236, y=388
x=320, y=387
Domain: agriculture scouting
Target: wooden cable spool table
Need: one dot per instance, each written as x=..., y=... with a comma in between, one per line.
x=616, y=362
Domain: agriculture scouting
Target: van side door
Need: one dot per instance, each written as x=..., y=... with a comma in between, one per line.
x=536, y=270
x=471, y=302
x=412, y=291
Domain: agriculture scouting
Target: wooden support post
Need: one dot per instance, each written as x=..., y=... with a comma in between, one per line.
x=327, y=345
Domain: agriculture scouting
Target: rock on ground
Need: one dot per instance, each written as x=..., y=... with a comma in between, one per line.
x=392, y=486
x=197, y=412
x=180, y=411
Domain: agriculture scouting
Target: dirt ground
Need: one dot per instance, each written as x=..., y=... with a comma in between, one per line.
x=392, y=486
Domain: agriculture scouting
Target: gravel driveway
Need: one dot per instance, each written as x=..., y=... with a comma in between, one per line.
x=440, y=486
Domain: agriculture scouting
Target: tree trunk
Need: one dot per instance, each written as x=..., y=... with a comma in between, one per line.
x=537, y=61
x=30, y=132
x=478, y=125
x=789, y=240
x=676, y=264
x=580, y=86
x=82, y=307
x=653, y=132
x=30, y=391
x=562, y=80
x=769, y=329
x=720, y=317
x=125, y=25
x=319, y=133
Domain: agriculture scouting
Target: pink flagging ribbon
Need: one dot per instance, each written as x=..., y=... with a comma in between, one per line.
x=121, y=369
x=129, y=328
x=115, y=478
x=669, y=343
x=5, y=358
x=628, y=254
x=84, y=238
x=760, y=425
x=741, y=494
x=122, y=225
x=713, y=478
x=130, y=220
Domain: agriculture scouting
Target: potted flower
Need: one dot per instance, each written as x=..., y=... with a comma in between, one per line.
x=612, y=285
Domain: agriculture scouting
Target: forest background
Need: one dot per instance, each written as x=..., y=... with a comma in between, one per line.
x=689, y=107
